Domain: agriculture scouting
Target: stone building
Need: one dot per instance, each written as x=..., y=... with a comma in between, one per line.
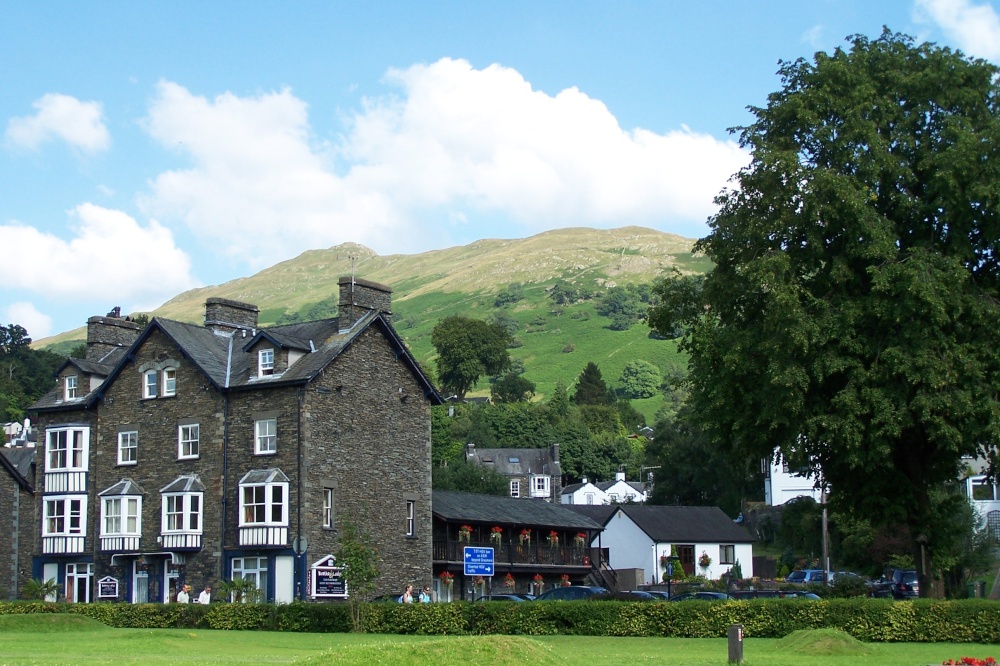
x=17, y=517
x=531, y=473
x=226, y=451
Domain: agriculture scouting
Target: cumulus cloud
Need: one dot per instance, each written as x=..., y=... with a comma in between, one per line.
x=454, y=143
x=974, y=27
x=80, y=124
x=37, y=324
x=111, y=254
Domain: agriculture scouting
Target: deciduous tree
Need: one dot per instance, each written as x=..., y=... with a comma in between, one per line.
x=467, y=350
x=855, y=300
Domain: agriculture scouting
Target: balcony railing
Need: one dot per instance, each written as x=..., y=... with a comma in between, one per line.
x=517, y=553
x=63, y=545
x=264, y=536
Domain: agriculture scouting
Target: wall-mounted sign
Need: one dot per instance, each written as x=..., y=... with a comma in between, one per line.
x=326, y=579
x=107, y=588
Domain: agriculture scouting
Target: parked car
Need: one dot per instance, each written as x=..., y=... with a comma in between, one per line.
x=627, y=595
x=757, y=594
x=501, y=597
x=801, y=595
x=701, y=596
x=570, y=593
x=804, y=576
x=896, y=583
x=660, y=595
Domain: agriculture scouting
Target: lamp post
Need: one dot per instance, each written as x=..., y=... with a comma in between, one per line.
x=670, y=571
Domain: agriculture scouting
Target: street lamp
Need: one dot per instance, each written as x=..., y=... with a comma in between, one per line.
x=670, y=571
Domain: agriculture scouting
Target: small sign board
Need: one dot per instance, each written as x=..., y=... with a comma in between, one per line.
x=107, y=588
x=326, y=579
x=478, y=561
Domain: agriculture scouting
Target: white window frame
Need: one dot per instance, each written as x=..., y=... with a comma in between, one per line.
x=188, y=447
x=258, y=574
x=727, y=553
x=541, y=485
x=265, y=436
x=265, y=499
x=126, y=510
x=265, y=362
x=60, y=507
x=187, y=507
x=128, y=447
x=169, y=387
x=70, y=385
x=515, y=488
x=328, y=508
x=411, y=518
x=67, y=449
x=149, y=385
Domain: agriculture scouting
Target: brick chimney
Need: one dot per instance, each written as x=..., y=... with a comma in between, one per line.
x=359, y=297
x=105, y=334
x=222, y=314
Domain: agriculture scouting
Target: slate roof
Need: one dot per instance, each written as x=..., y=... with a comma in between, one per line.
x=494, y=510
x=17, y=462
x=634, y=485
x=225, y=361
x=681, y=524
x=189, y=483
x=54, y=398
x=599, y=513
x=123, y=487
x=526, y=461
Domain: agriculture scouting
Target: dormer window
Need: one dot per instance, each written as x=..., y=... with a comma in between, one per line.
x=71, y=387
x=169, y=381
x=265, y=362
x=149, y=384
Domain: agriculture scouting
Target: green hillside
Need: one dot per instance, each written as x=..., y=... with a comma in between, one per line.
x=557, y=341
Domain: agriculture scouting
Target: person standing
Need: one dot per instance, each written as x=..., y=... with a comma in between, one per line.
x=206, y=595
x=184, y=596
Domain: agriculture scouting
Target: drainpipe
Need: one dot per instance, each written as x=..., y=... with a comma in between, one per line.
x=300, y=559
x=225, y=483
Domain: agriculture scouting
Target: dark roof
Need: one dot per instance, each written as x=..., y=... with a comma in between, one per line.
x=17, y=461
x=53, y=400
x=123, y=487
x=184, y=484
x=678, y=524
x=599, y=513
x=634, y=485
x=494, y=510
x=514, y=462
x=225, y=361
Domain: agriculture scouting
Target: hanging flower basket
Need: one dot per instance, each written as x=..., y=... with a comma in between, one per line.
x=478, y=580
x=525, y=537
x=447, y=579
x=496, y=534
x=508, y=581
x=704, y=561
x=664, y=560
x=539, y=583
x=465, y=533
x=564, y=580
x=553, y=538
x=580, y=539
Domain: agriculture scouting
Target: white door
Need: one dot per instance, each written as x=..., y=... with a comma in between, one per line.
x=284, y=579
x=50, y=571
x=170, y=576
x=78, y=579
x=140, y=582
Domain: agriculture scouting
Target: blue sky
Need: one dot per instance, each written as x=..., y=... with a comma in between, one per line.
x=151, y=147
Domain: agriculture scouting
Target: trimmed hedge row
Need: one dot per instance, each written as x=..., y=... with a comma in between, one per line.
x=873, y=620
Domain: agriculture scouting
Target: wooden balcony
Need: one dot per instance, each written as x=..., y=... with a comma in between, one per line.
x=517, y=553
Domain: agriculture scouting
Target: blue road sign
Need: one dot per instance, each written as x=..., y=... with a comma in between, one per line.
x=478, y=561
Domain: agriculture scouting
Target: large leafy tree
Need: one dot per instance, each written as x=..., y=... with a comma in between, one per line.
x=467, y=350
x=853, y=309
x=25, y=373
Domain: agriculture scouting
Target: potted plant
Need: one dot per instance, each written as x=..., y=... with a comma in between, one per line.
x=580, y=539
x=464, y=533
x=508, y=581
x=704, y=561
x=496, y=534
x=525, y=537
x=447, y=579
x=553, y=539
x=539, y=583
x=564, y=580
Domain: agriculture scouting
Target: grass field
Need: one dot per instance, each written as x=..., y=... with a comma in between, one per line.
x=73, y=639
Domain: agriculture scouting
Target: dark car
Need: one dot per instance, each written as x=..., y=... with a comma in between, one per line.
x=627, y=595
x=701, y=596
x=501, y=597
x=756, y=594
x=904, y=584
x=570, y=593
x=806, y=576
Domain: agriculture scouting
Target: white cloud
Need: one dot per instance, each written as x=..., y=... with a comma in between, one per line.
x=111, y=255
x=455, y=142
x=80, y=124
x=813, y=36
x=37, y=324
x=975, y=28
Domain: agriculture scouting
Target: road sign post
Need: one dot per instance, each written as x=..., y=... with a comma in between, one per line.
x=478, y=561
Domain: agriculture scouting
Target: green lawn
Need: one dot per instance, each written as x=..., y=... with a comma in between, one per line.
x=65, y=639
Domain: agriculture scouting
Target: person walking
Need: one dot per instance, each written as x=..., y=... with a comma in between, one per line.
x=206, y=595
x=407, y=596
x=184, y=596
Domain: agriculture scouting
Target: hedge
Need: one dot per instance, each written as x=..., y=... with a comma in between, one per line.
x=872, y=620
